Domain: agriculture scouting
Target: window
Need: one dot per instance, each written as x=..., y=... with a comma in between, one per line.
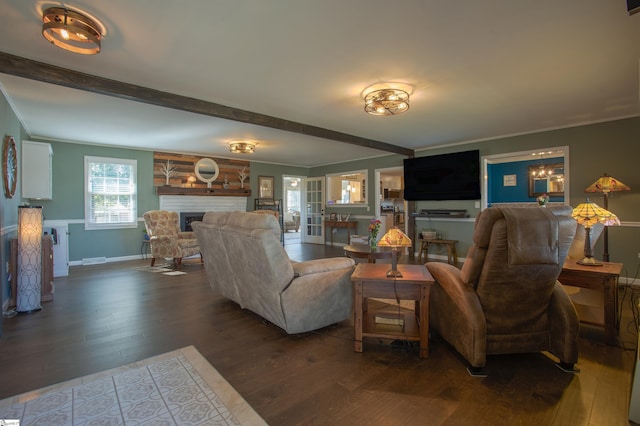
x=110, y=193
x=347, y=188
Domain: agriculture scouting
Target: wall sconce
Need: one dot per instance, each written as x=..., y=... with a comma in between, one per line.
x=71, y=30
x=29, y=291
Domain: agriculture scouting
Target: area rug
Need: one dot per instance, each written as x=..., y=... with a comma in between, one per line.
x=165, y=269
x=176, y=388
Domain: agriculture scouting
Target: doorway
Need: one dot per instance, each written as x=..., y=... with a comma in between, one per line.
x=391, y=207
x=292, y=209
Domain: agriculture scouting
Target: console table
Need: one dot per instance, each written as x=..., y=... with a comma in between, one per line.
x=340, y=224
x=597, y=304
x=452, y=254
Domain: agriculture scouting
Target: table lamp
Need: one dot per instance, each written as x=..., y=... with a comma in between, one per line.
x=395, y=239
x=606, y=184
x=588, y=214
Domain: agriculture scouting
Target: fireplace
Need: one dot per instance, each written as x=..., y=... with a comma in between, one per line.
x=192, y=208
x=187, y=217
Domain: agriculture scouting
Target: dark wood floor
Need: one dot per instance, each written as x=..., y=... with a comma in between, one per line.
x=105, y=316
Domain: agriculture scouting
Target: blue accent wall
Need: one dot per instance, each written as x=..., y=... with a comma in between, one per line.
x=498, y=193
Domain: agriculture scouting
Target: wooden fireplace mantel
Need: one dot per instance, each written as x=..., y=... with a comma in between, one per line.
x=219, y=192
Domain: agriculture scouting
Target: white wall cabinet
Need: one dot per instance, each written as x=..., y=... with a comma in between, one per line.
x=37, y=163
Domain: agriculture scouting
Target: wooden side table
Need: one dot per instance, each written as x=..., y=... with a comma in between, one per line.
x=370, y=280
x=601, y=281
x=341, y=224
x=365, y=251
x=452, y=255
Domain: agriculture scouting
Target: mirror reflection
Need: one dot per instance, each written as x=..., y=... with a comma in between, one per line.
x=207, y=170
x=520, y=177
x=546, y=179
x=347, y=188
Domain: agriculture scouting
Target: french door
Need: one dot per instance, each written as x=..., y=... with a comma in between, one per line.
x=313, y=215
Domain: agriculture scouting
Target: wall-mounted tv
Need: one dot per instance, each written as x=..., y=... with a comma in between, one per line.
x=454, y=176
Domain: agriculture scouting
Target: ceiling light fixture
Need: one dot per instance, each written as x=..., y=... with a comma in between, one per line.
x=386, y=102
x=242, y=147
x=71, y=30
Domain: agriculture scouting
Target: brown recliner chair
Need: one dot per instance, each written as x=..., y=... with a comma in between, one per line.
x=506, y=299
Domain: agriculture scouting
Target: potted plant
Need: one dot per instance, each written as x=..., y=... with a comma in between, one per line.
x=543, y=199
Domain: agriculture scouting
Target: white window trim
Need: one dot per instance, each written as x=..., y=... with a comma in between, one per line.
x=88, y=225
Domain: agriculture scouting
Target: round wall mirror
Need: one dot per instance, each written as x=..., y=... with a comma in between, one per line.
x=207, y=170
x=9, y=167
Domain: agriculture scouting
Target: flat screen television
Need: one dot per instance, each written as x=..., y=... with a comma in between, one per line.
x=454, y=176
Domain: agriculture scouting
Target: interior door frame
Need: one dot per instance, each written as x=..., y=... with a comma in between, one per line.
x=305, y=236
x=285, y=205
x=509, y=157
x=378, y=191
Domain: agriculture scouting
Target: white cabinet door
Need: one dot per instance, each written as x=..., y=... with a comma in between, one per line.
x=37, y=170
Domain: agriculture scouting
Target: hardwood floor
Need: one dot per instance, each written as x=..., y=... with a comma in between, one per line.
x=105, y=316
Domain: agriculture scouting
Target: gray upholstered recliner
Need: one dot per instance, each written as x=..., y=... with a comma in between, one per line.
x=506, y=298
x=245, y=262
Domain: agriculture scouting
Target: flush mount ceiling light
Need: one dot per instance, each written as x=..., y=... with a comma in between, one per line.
x=242, y=147
x=72, y=30
x=386, y=102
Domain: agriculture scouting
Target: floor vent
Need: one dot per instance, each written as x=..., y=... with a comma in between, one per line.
x=94, y=260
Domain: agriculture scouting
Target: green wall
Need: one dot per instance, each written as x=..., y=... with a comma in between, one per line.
x=9, y=126
x=275, y=170
x=67, y=204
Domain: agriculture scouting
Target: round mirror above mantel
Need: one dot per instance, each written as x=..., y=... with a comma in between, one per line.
x=207, y=170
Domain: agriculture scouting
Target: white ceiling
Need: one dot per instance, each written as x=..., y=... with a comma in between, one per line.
x=478, y=69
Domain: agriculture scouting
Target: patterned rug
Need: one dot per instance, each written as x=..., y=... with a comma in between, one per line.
x=176, y=388
x=165, y=269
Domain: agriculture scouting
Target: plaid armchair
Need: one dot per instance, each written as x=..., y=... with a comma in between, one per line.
x=166, y=239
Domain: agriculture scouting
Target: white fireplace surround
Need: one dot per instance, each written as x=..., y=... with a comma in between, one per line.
x=197, y=203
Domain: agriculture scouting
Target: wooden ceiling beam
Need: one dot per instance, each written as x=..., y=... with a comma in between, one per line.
x=27, y=68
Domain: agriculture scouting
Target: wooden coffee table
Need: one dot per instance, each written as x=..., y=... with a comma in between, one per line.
x=370, y=280
x=364, y=251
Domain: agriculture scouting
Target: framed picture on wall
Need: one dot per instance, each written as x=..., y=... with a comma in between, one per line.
x=509, y=180
x=265, y=184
